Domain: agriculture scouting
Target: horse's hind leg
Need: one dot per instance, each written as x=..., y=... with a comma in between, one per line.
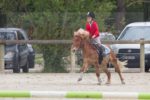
x=98, y=74
x=108, y=75
x=122, y=80
x=117, y=69
x=120, y=75
x=115, y=63
x=105, y=69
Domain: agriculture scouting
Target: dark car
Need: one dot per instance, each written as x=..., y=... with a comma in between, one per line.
x=17, y=56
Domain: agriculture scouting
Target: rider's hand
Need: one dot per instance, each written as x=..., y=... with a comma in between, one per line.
x=93, y=36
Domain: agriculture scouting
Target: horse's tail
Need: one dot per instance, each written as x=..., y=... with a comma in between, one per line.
x=119, y=65
x=122, y=64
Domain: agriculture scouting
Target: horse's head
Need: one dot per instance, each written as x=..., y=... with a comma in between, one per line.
x=78, y=38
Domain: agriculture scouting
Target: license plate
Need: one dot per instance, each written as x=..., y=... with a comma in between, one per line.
x=128, y=57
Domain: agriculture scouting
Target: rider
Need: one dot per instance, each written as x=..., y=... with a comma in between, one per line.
x=92, y=28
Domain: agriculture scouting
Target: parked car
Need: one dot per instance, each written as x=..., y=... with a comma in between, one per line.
x=107, y=36
x=17, y=56
x=131, y=52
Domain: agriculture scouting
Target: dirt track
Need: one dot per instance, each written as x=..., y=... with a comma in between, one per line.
x=61, y=82
x=39, y=81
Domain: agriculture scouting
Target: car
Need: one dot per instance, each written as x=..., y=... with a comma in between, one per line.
x=31, y=56
x=131, y=52
x=107, y=36
x=17, y=56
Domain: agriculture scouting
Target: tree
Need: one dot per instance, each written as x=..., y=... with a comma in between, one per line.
x=146, y=5
x=54, y=19
x=120, y=16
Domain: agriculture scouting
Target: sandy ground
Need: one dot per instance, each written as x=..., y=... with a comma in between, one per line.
x=135, y=82
x=63, y=82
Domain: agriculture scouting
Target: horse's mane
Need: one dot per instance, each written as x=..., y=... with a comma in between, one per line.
x=82, y=33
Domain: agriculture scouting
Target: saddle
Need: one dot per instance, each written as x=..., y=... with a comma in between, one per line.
x=102, y=51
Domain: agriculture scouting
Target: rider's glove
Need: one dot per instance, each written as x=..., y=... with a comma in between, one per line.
x=94, y=36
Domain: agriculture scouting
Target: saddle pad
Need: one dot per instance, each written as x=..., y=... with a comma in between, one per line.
x=107, y=50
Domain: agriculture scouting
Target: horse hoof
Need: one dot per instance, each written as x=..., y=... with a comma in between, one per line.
x=98, y=83
x=107, y=83
x=123, y=82
x=80, y=79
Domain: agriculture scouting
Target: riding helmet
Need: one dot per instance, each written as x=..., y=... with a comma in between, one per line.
x=91, y=14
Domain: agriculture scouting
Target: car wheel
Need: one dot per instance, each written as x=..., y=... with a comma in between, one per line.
x=147, y=69
x=31, y=62
x=16, y=69
x=25, y=68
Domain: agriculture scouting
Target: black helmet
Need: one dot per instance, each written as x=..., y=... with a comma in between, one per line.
x=91, y=14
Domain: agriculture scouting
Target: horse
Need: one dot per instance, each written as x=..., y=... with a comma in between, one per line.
x=81, y=40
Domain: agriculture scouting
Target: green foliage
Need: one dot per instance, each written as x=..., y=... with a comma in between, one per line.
x=55, y=19
x=53, y=58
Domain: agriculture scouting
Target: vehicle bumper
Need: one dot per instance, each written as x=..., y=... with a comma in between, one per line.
x=134, y=59
x=147, y=60
x=31, y=59
x=9, y=64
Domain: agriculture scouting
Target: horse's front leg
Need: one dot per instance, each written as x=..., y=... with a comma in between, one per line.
x=82, y=71
x=97, y=71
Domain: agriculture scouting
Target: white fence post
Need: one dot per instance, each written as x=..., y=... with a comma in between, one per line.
x=2, y=52
x=142, y=56
x=72, y=62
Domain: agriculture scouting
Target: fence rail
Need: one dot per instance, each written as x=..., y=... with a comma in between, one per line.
x=75, y=94
x=141, y=42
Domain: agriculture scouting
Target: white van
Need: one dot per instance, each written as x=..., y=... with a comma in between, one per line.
x=131, y=52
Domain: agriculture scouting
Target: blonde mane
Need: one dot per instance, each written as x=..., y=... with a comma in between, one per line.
x=82, y=33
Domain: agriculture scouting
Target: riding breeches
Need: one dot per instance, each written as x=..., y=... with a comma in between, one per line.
x=96, y=40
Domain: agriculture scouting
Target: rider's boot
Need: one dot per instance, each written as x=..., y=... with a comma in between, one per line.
x=101, y=52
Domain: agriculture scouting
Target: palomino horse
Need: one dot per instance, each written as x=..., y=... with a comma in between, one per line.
x=81, y=41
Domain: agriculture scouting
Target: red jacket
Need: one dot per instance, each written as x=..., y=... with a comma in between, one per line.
x=93, y=29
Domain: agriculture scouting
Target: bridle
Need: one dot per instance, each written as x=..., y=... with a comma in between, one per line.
x=81, y=43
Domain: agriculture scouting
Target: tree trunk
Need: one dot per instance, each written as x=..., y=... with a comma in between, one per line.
x=146, y=11
x=3, y=20
x=120, y=16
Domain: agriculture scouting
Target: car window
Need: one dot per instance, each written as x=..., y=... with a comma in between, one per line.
x=20, y=36
x=107, y=36
x=7, y=35
x=22, y=47
x=24, y=33
x=136, y=33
